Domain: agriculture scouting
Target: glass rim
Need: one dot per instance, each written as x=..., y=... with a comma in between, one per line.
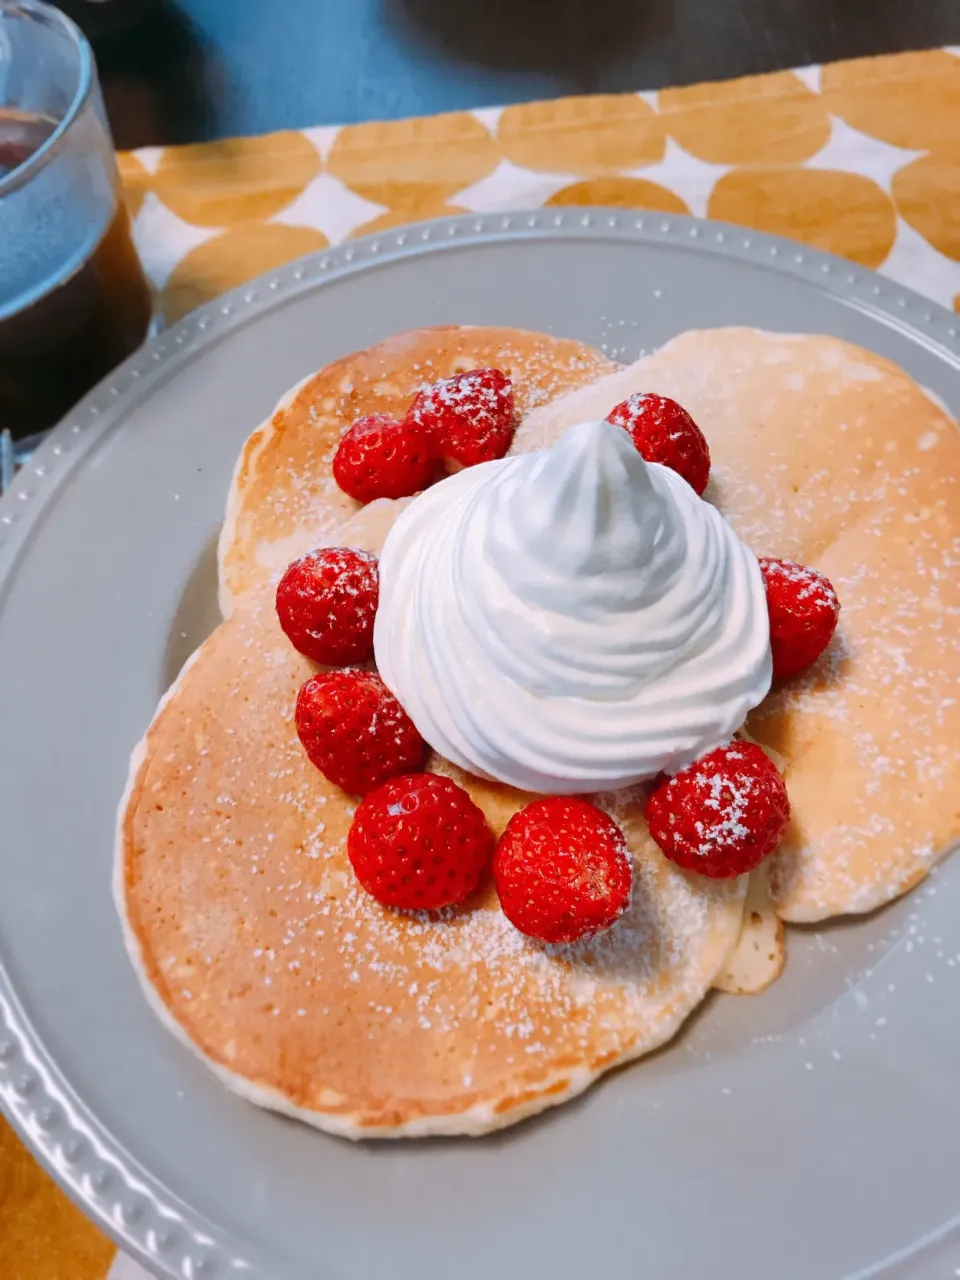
x=51, y=17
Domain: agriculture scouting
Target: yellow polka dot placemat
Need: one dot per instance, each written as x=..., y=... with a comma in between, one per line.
x=861, y=158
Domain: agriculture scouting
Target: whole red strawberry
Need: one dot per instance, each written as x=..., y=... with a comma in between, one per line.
x=381, y=458
x=326, y=603
x=419, y=842
x=664, y=432
x=723, y=815
x=471, y=416
x=355, y=731
x=562, y=870
x=804, y=610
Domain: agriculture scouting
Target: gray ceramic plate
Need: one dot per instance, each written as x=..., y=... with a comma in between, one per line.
x=809, y=1132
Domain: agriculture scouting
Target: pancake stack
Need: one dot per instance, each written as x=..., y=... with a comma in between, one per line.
x=254, y=941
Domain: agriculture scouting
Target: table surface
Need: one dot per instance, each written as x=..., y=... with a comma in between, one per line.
x=186, y=70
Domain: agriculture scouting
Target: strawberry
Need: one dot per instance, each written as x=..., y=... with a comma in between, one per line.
x=471, y=416
x=723, y=814
x=419, y=842
x=804, y=610
x=664, y=432
x=562, y=870
x=326, y=603
x=381, y=458
x=355, y=731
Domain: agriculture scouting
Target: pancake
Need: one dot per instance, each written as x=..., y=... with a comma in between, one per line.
x=758, y=958
x=828, y=454
x=256, y=945
x=258, y=948
x=284, y=500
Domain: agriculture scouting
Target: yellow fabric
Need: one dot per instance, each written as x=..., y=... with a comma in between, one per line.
x=42, y=1235
x=861, y=158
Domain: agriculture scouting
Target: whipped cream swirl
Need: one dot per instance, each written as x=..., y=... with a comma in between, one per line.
x=571, y=620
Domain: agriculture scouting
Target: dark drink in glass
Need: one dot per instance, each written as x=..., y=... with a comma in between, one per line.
x=73, y=298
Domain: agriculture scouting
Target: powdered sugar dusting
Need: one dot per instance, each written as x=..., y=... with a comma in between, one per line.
x=811, y=587
x=465, y=392
x=728, y=801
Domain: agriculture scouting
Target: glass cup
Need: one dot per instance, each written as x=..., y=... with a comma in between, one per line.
x=74, y=301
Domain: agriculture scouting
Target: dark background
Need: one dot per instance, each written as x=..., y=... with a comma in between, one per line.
x=185, y=70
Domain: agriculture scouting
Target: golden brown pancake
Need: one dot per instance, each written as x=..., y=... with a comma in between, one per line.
x=827, y=454
x=258, y=947
x=284, y=500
